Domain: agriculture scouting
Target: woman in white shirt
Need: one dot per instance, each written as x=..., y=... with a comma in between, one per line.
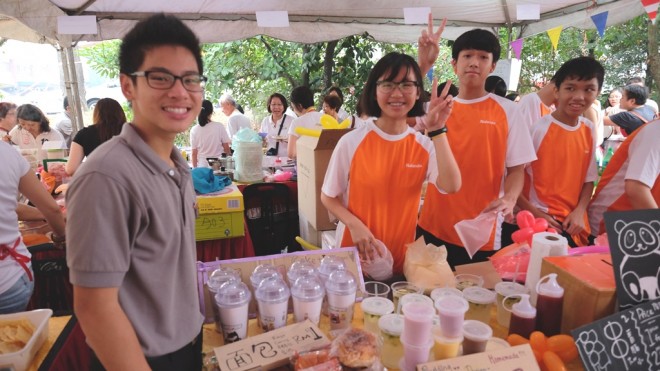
x=208, y=138
x=276, y=125
x=33, y=130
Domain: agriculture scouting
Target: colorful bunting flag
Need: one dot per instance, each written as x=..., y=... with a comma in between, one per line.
x=651, y=7
x=516, y=45
x=600, y=20
x=554, y=34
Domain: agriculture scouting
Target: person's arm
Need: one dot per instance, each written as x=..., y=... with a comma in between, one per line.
x=32, y=189
x=574, y=222
x=194, y=157
x=28, y=213
x=76, y=155
x=428, y=47
x=639, y=194
x=225, y=147
x=361, y=235
x=607, y=121
x=524, y=204
x=107, y=329
x=291, y=147
x=513, y=184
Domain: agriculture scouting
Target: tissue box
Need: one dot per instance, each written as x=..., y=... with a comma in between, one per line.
x=589, y=288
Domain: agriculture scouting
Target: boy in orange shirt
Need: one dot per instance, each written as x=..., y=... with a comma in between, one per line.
x=558, y=186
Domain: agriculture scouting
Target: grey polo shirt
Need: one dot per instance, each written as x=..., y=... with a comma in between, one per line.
x=130, y=224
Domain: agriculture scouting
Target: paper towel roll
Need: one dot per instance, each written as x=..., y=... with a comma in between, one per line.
x=543, y=244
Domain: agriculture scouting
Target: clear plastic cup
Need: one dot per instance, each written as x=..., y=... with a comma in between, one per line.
x=298, y=269
x=414, y=355
x=376, y=289
x=374, y=308
x=451, y=310
x=402, y=288
x=496, y=344
x=272, y=299
x=418, y=319
x=443, y=291
x=468, y=280
x=307, y=293
x=232, y=299
x=340, y=288
x=391, y=327
x=216, y=279
x=475, y=336
x=262, y=272
x=504, y=289
x=445, y=347
x=481, y=300
x=329, y=264
x=416, y=298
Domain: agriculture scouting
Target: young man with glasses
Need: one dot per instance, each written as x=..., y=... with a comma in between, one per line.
x=131, y=213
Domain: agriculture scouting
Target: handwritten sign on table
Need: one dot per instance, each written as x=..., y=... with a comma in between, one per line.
x=628, y=340
x=516, y=358
x=634, y=238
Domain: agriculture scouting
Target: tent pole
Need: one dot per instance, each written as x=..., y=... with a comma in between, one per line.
x=73, y=91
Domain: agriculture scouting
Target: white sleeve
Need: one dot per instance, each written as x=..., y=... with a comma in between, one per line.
x=335, y=182
x=193, y=137
x=520, y=149
x=592, y=170
x=644, y=156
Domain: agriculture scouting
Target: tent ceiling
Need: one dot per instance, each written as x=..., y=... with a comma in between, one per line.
x=310, y=21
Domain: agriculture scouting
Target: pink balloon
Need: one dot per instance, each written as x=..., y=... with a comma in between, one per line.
x=523, y=235
x=525, y=219
x=552, y=230
x=540, y=225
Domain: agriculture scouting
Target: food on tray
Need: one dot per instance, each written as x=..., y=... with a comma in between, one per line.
x=316, y=361
x=14, y=334
x=357, y=348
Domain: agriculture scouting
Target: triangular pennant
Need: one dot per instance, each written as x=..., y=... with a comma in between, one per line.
x=516, y=45
x=651, y=7
x=554, y=34
x=600, y=20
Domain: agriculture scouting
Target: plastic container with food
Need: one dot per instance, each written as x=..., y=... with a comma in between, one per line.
x=21, y=359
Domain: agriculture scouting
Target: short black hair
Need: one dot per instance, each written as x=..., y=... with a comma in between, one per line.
x=65, y=102
x=205, y=112
x=5, y=107
x=281, y=98
x=157, y=30
x=388, y=68
x=477, y=39
x=496, y=85
x=303, y=96
x=512, y=96
x=30, y=112
x=635, y=80
x=332, y=101
x=636, y=92
x=581, y=68
x=338, y=91
x=453, y=89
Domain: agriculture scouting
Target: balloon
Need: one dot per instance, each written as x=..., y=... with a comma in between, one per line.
x=552, y=230
x=540, y=225
x=344, y=124
x=523, y=235
x=329, y=122
x=309, y=132
x=525, y=219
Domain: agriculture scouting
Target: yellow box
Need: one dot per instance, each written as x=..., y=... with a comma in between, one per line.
x=219, y=225
x=231, y=200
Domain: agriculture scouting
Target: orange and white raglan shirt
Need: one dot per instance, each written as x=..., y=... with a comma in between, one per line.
x=379, y=177
x=638, y=158
x=486, y=137
x=532, y=109
x=565, y=161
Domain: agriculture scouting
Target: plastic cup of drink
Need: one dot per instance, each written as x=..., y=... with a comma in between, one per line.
x=232, y=299
x=298, y=269
x=418, y=298
x=451, y=310
x=443, y=291
x=340, y=288
x=307, y=293
x=496, y=344
x=273, y=300
x=476, y=335
x=216, y=279
x=415, y=354
x=417, y=321
x=391, y=327
x=262, y=272
x=375, y=288
x=445, y=347
x=504, y=289
x=374, y=308
x=481, y=301
x=401, y=288
x=467, y=280
x=328, y=265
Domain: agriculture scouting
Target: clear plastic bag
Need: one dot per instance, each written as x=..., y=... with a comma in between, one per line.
x=474, y=233
x=379, y=268
x=511, y=262
x=426, y=266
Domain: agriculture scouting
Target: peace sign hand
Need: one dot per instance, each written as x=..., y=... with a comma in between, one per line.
x=439, y=106
x=428, y=47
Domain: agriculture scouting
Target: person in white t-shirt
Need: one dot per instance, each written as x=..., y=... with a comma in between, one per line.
x=276, y=125
x=33, y=130
x=302, y=103
x=208, y=138
x=237, y=120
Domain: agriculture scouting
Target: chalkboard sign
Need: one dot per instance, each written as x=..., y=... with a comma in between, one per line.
x=628, y=340
x=634, y=238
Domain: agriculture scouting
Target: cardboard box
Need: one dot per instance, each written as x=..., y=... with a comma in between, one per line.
x=219, y=225
x=271, y=349
x=230, y=199
x=313, y=158
x=589, y=288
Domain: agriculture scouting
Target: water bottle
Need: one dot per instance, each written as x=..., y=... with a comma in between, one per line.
x=608, y=156
x=550, y=304
x=523, y=316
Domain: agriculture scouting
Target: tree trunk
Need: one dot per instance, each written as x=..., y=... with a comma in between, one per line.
x=305, y=73
x=653, y=63
x=329, y=63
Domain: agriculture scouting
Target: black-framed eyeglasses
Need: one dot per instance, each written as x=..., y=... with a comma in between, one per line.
x=162, y=80
x=404, y=86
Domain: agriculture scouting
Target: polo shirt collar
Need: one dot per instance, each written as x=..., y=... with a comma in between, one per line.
x=146, y=154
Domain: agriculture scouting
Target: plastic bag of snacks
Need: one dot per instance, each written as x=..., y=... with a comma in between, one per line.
x=379, y=268
x=426, y=266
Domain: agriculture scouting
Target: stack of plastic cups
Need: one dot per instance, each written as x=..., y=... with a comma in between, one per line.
x=481, y=301
x=444, y=291
x=341, y=288
x=216, y=279
x=373, y=308
x=299, y=269
x=328, y=265
x=391, y=327
x=417, y=298
x=233, y=299
x=449, y=335
x=416, y=337
x=273, y=299
x=307, y=293
x=259, y=274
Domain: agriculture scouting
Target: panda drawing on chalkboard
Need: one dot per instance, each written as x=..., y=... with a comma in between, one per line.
x=640, y=267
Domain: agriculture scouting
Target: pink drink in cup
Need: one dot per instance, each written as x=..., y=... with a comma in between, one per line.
x=417, y=321
x=414, y=355
x=451, y=310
